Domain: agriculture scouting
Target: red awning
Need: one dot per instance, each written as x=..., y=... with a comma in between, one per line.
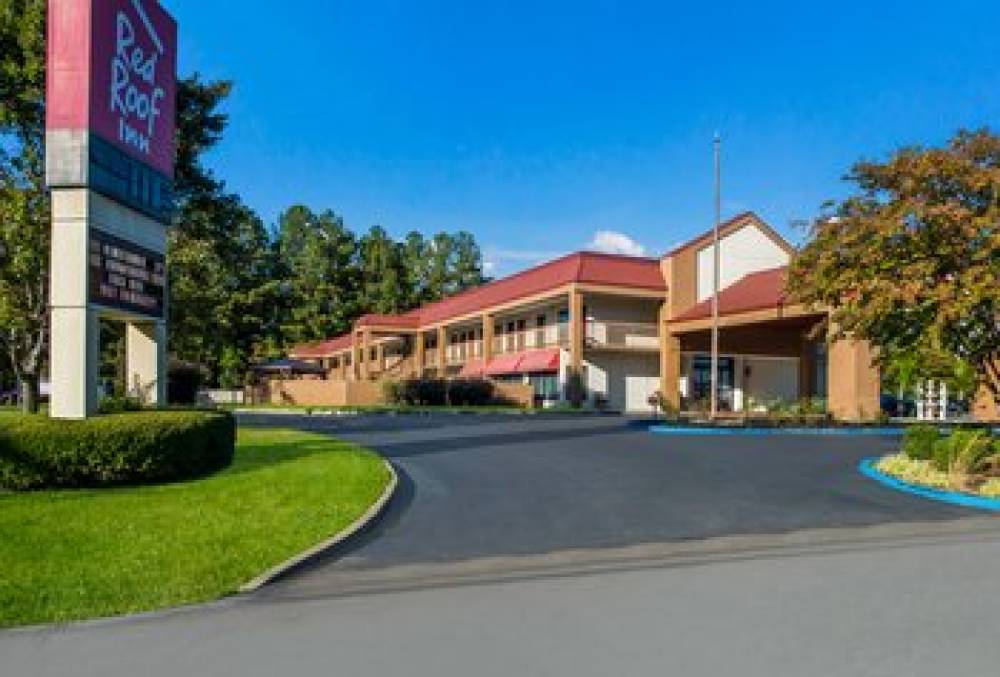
x=474, y=368
x=503, y=364
x=539, y=361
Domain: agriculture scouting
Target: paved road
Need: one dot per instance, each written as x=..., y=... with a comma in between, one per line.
x=919, y=610
x=581, y=546
x=505, y=488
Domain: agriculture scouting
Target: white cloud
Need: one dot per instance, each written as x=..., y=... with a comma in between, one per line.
x=611, y=242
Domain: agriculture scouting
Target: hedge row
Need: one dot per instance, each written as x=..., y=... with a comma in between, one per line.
x=124, y=449
x=436, y=392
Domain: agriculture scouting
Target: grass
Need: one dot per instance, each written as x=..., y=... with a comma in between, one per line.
x=68, y=555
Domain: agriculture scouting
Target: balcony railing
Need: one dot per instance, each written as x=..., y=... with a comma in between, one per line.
x=460, y=353
x=640, y=335
x=532, y=339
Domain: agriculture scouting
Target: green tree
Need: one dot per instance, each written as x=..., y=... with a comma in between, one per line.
x=24, y=205
x=385, y=282
x=222, y=289
x=416, y=267
x=912, y=258
x=440, y=253
x=467, y=269
x=320, y=280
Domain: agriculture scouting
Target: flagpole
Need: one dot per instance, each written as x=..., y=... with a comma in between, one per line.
x=717, y=147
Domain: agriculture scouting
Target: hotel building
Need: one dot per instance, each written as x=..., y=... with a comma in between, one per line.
x=629, y=326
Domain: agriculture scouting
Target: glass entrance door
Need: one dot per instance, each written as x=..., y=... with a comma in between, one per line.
x=701, y=381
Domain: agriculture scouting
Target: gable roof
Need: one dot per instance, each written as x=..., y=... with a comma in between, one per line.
x=762, y=290
x=730, y=226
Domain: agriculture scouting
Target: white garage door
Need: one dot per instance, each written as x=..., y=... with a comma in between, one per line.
x=638, y=388
x=629, y=380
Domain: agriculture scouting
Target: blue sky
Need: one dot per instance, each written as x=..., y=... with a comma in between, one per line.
x=539, y=125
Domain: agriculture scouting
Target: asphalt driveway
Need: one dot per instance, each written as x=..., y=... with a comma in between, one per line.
x=499, y=486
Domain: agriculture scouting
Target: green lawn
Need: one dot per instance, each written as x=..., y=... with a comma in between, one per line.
x=67, y=555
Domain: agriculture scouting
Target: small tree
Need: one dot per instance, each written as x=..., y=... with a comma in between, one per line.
x=912, y=259
x=24, y=203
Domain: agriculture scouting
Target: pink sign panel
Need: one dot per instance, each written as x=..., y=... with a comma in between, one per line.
x=112, y=70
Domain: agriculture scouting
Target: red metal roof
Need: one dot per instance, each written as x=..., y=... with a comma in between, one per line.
x=504, y=364
x=630, y=272
x=583, y=267
x=375, y=320
x=322, y=348
x=762, y=290
x=539, y=361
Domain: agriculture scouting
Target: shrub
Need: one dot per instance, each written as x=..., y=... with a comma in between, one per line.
x=119, y=405
x=393, y=392
x=918, y=442
x=184, y=379
x=576, y=390
x=471, y=392
x=436, y=392
x=662, y=404
x=122, y=449
x=965, y=452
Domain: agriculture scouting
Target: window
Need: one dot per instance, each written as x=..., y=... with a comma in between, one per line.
x=701, y=380
x=335, y=363
x=546, y=386
x=372, y=354
x=347, y=360
x=540, y=331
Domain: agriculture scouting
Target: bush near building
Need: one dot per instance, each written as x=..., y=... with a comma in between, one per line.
x=439, y=392
x=121, y=449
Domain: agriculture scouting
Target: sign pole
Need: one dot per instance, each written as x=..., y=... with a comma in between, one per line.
x=717, y=147
x=109, y=164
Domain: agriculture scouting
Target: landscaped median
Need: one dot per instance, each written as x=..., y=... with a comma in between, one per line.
x=960, y=467
x=85, y=553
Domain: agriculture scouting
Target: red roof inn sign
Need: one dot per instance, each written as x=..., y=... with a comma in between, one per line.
x=111, y=107
x=112, y=93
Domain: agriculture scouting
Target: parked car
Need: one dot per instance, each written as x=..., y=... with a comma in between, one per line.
x=894, y=406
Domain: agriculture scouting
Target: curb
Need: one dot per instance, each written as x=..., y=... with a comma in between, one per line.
x=335, y=413
x=867, y=467
x=369, y=516
x=794, y=431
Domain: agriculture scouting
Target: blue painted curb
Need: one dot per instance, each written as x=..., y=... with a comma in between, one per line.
x=682, y=430
x=868, y=469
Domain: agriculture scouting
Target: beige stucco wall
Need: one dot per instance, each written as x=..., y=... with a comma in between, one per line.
x=320, y=393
